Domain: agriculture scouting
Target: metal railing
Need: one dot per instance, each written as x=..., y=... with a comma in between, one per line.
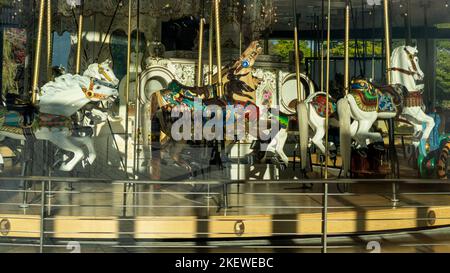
x=213, y=203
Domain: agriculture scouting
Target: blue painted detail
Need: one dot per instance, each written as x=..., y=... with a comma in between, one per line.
x=385, y=103
x=434, y=140
x=245, y=63
x=13, y=119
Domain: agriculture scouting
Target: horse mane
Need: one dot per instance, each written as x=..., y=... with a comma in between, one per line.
x=395, y=60
x=91, y=70
x=62, y=84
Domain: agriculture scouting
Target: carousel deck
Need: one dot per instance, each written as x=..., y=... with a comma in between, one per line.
x=179, y=211
x=254, y=209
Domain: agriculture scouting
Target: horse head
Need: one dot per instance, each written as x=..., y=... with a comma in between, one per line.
x=248, y=58
x=96, y=91
x=405, y=67
x=103, y=73
x=413, y=56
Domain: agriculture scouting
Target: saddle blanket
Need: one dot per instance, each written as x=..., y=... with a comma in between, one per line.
x=365, y=95
x=179, y=90
x=13, y=119
x=53, y=121
x=372, y=99
x=319, y=102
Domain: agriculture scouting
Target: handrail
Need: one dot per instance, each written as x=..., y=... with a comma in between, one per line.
x=42, y=210
x=220, y=182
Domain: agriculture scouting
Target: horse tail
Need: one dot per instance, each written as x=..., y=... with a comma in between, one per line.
x=302, y=115
x=443, y=162
x=345, y=135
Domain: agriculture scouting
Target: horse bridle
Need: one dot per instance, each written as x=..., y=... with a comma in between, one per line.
x=413, y=64
x=90, y=93
x=102, y=71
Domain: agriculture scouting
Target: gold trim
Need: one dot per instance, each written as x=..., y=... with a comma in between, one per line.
x=200, y=54
x=37, y=56
x=387, y=41
x=218, y=48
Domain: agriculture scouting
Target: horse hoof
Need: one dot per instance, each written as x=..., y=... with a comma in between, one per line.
x=362, y=152
x=65, y=168
x=417, y=137
x=379, y=146
x=91, y=159
x=333, y=154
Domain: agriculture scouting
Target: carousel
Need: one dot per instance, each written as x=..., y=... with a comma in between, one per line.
x=251, y=125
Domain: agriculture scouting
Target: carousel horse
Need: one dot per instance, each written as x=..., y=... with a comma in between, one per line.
x=241, y=69
x=95, y=75
x=366, y=103
x=59, y=100
x=56, y=128
x=178, y=97
x=310, y=114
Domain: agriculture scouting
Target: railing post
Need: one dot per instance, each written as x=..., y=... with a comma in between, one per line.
x=42, y=226
x=325, y=218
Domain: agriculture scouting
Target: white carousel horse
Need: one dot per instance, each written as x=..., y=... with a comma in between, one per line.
x=68, y=103
x=58, y=128
x=310, y=114
x=366, y=103
x=58, y=101
x=103, y=73
x=406, y=71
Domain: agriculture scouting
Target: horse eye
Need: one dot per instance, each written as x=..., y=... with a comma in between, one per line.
x=98, y=87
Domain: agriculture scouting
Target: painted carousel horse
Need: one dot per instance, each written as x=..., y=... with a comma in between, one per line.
x=96, y=76
x=56, y=128
x=180, y=98
x=310, y=114
x=59, y=101
x=367, y=103
x=241, y=69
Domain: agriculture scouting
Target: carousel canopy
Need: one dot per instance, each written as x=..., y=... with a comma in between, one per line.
x=165, y=9
x=364, y=13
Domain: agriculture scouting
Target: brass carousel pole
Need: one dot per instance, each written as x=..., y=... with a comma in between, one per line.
x=387, y=41
x=200, y=53
x=37, y=57
x=49, y=40
x=392, y=151
x=327, y=146
x=127, y=107
x=211, y=46
x=300, y=95
x=46, y=147
x=346, y=49
x=322, y=57
x=128, y=79
x=80, y=38
x=137, y=93
x=218, y=47
x=301, y=105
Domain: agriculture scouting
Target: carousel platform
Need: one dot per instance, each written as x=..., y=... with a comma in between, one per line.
x=177, y=210
x=219, y=204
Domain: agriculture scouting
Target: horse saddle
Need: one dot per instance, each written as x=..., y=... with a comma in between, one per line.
x=365, y=94
x=373, y=98
x=206, y=92
x=319, y=103
x=26, y=110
